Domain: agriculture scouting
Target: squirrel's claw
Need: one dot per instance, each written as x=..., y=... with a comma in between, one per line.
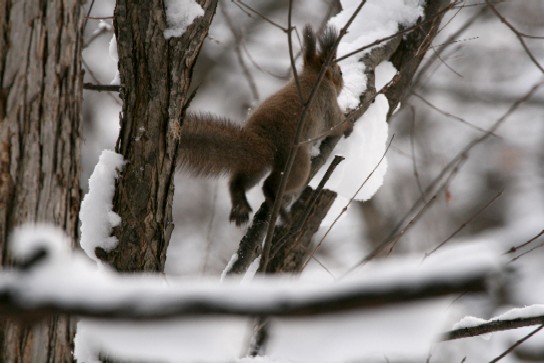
x=239, y=214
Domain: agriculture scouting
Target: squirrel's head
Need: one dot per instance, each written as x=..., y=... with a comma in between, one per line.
x=314, y=59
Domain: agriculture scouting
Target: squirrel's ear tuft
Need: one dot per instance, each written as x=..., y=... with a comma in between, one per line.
x=327, y=43
x=309, y=50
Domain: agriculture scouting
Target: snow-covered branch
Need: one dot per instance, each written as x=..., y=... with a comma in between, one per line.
x=56, y=280
x=512, y=319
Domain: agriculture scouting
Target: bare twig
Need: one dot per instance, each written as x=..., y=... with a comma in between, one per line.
x=102, y=87
x=88, y=13
x=513, y=249
x=448, y=114
x=516, y=344
x=526, y=252
x=249, y=11
x=238, y=40
x=493, y=326
x=464, y=224
x=351, y=200
x=518, y=34
x=412, y=147
x=442, y=179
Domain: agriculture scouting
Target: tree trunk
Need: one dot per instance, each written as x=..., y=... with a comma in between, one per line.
x=40, y=114
x=155, y=77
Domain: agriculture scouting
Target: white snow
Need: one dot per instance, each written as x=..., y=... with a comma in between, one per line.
x=530, y=311
x=115, y=57
x=96, y=214
x=251, y=270
x=176, y=340
x=525, y=312
x=229, y=265
x=74, y=280
x=179, y=15
x=377, y=20
x=362, y=173
x=27, y=239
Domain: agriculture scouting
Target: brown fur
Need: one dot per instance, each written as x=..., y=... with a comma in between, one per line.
x=212, y=146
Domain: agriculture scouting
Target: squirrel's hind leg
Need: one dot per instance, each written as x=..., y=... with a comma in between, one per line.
x=238, y=184
x=297, y=180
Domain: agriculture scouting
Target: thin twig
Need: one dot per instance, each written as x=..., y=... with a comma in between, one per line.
x=442, y=179
x=516, y=344
x=518, y=34
x=513, y=249
x=101, y=87
x=238, y=40
x=463, y=225
x=412, y=147
x=88, y=13
x=350, y=201
x=447, y=114
x=209, y=232
x=249, y=10
x=526, y=252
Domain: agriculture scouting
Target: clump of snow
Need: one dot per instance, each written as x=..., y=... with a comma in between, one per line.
x=179, y=15
x=530, y=311
x=251, y=270
x=28, y=239
x=175, y=340
x=96, y=214
x=469, y=322
x=377, y=20
x=364, y=150
x=519, y=313
x=227, y=268
x=115, y=57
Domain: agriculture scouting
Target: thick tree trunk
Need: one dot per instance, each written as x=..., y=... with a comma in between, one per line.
x=40, y=113
x=155, y=78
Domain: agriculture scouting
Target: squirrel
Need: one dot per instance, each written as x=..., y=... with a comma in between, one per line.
x=210, y=145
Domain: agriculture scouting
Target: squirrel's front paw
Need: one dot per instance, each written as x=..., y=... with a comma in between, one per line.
x=239, y=214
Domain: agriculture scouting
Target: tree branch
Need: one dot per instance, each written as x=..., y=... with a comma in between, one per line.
x=149, y=298
x=493, y=326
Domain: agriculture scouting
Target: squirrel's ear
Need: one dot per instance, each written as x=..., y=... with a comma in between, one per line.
x=309, y=45
x=327, y=43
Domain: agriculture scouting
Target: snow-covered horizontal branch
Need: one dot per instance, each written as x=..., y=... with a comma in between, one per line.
x=56, y=280
x=512, y=319
x=149, y=298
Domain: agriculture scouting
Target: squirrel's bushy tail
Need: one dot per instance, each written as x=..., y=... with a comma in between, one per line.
x=211, y=145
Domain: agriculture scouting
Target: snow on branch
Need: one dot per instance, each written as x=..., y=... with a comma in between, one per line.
x=60, y=281
x=96, y=214
x=515, y=318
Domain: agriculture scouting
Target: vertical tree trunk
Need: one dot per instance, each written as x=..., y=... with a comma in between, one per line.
x=155, y=78
x=40, y=113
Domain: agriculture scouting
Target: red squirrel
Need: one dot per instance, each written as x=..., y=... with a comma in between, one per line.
x=210, y=145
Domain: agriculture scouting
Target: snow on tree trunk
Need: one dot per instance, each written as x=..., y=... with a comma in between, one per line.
x=155, y=75
x=40, y=117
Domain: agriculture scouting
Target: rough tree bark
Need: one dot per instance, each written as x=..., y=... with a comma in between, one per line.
x=155, y=78
x=40, y=114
